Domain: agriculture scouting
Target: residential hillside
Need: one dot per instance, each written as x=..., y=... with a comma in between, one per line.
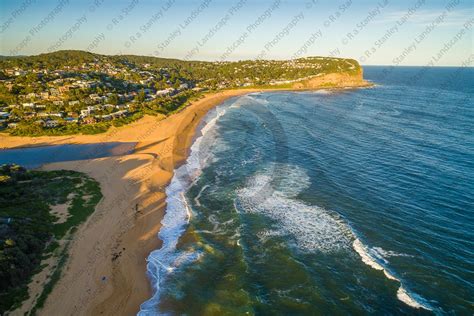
x=67, y=92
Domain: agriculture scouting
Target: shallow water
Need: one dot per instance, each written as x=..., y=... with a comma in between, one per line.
x=354, y=201
x=34, y=157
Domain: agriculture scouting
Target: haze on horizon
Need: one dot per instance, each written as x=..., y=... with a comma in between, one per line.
x=381, y=32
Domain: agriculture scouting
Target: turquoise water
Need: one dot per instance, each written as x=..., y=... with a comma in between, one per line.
x=327, y=202
x=34, y=157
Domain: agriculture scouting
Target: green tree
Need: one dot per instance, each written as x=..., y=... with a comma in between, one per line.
x=113, y=99
x=140, y=97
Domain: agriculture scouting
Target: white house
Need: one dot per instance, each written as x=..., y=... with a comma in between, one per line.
x=51, y=123
x=4, y=115
x=165, y=92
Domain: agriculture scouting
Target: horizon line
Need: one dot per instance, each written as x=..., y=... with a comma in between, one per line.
x=239, y=60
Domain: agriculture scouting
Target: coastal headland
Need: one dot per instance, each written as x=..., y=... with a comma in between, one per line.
x=106, y=270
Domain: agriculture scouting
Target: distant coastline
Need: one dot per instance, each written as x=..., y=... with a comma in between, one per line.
x=330, y=81
x=76, y=92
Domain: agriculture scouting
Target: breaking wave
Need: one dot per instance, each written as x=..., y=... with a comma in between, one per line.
x=372, y=256
x=163, y=261
x=273, y=193
x=311, y=228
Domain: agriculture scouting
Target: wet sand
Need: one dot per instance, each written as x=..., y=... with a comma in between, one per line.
x=106, y=270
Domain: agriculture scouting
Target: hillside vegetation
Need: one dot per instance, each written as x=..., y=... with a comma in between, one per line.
x=68, y=92
x=31, y=232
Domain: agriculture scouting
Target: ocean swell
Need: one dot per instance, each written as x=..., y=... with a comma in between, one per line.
x=273, y=193
x=369, y=257
x=310, y=227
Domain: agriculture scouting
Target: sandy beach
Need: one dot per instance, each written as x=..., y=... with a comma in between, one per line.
x=106, y=270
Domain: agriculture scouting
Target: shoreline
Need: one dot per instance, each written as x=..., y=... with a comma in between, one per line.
x=115, y=229
x=118, y=134
x=103, y=285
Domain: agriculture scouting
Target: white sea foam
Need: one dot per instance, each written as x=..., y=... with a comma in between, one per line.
x=312, y=228
x=196, y=199
x=212, y=118
x=382, y=253
x=266, y=234
x=322, y=91
x=254, y=97
x=165, y=260
x=368, y=257
x=289, y=180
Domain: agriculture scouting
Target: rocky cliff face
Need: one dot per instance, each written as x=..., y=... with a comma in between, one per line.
x=334, y=80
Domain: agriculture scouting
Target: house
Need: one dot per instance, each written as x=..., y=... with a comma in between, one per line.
x=96, y=97
x=71, y=120
x=89, y=120
x=122, y=106
x=45, y=114
x=106, y=117
x=109, y=106
x=63, y=89
x=74, y=102
x=51, y=123
x=85, y=113
x=89, y=110
x=165, y=92
x=30, y=105
x=12, y=125
x=4, y=115
x=120, y=113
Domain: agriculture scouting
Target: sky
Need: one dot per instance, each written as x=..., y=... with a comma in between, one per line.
x=380, y=32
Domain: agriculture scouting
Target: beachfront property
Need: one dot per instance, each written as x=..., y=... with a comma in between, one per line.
x=109, y=88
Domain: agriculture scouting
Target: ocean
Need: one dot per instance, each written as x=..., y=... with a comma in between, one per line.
x=324, y=202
